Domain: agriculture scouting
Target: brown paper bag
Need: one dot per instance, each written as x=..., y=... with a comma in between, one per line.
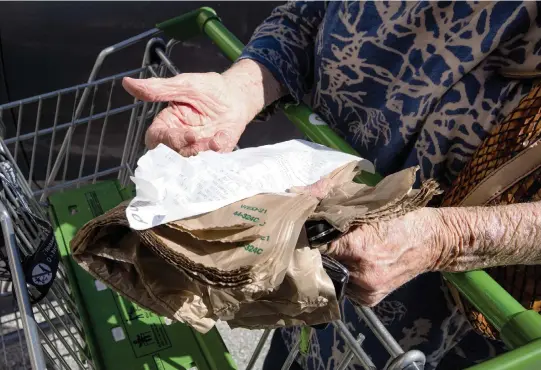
x=276, y=234
x=139, y=275
x=127, y=265
x=351, y=204
x=247, y=263
x=305, y=288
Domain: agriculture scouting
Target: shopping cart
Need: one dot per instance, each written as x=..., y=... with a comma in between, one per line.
x=59, y=331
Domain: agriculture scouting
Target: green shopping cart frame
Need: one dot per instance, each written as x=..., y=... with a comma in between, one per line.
x=520, y=329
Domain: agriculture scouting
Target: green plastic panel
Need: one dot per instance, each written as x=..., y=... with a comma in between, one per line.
x=120, y=334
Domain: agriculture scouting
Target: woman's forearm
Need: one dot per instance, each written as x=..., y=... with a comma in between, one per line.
x=256, y=85
x=480, y=237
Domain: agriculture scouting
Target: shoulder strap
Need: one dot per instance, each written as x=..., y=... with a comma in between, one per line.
x=505, y=176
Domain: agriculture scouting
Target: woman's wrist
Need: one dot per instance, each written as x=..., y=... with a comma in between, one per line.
x=481, y=237
x=452, y=236
x=255, y=85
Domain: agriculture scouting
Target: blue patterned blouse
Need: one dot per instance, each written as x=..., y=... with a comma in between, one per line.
x=405, y=83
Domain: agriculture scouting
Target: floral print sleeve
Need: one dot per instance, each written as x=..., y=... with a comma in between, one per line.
x=284, y=43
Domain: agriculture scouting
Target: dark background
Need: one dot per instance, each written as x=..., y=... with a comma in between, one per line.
x=47, y=46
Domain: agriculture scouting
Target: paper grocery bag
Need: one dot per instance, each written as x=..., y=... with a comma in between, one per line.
x=119, y=256
x=265, y=254
x=228, y=263
x=217, y=263
x=305, y=297
x=351, y=204
x=274, y=219
x=247, y=263
x=135, y=272
x=305, y=288
x=196, y=257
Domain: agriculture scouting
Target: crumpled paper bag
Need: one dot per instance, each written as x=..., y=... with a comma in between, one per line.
x=261, y=252
x=119, y=256
x=351, y=204
x=248, y=263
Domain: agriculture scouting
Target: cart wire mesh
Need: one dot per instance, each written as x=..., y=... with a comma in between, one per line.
x=56, y=141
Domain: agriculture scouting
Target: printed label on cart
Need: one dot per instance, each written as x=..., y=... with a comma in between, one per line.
x=145, y=330
x=149, y=339
x=316, y=120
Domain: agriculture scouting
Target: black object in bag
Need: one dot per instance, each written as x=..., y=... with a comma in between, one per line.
x=321, y=232
x=41, y=265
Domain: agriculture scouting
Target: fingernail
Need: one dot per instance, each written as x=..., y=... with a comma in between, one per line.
x=221, y=141
x=190, y=137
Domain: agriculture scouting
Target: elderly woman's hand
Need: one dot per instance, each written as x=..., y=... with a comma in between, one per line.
x=203, y=112
x=206, y=111
x=382, y=257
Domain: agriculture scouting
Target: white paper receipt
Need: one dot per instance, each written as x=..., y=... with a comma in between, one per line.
x=170, y=187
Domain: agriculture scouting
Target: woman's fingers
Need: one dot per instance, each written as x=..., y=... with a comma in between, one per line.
x=194, y=148
x=166, y=129
x=203, y=114
x=155, y=89
x=319, y=189
x=363, y=297
x=222, y=142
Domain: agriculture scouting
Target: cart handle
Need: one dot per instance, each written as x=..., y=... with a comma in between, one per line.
x=517, y=325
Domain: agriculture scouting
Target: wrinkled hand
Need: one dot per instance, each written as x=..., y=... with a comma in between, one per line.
x=205, y=112
x=320, y=189
x=384, y=256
